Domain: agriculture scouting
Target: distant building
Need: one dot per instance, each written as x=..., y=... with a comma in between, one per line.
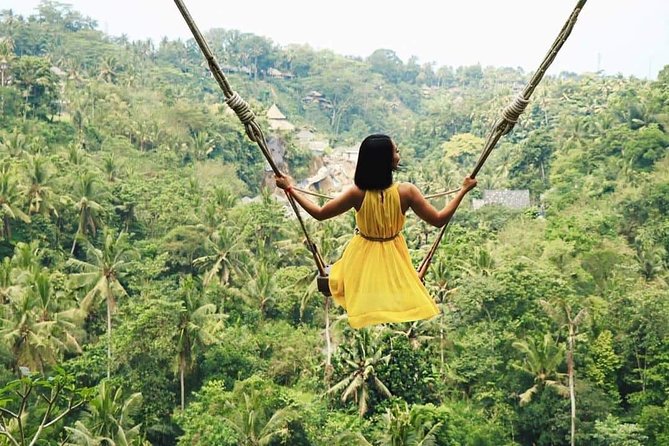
x=309, y=140
x=347, y=153
x=277, y=120
x=273, y=72
x=512, y=199
x=316, y=97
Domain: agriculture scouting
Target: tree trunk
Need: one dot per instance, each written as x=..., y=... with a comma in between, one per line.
x=181, y=383
x=570, y=372
x=109, y=339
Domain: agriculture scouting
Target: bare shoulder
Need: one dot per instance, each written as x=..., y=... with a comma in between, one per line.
x=355, y=195
x=407, y=190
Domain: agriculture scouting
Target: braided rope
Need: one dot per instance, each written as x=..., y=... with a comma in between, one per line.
x=512, y=112
x=241, y=108
x=510, y=116
x=248, y=119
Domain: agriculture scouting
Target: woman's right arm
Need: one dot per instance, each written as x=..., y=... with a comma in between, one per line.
x=429, y=213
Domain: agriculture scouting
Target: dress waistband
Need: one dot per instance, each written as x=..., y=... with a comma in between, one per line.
x=376, y=239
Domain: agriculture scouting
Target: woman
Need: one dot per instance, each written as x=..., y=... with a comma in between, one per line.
x=375, y=280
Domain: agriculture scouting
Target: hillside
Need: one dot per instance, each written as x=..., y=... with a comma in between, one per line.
x=151, y=278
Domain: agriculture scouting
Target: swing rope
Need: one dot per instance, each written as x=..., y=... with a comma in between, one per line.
x=248, y=118
x=510, y=116
x=503, y=125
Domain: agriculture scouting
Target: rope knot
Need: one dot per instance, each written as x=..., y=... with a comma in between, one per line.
x=241, y=108
x=512, y=112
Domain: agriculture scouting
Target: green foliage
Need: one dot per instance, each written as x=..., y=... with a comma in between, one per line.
x=253, y=413
x=210, y=290
x=611, y=432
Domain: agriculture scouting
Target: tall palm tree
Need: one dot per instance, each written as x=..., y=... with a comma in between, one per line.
x=566, y=317
x=10, y=201
x=360, y=361
x=101, y=276
x=541, y=360
x=86, y=193
x=199, y=325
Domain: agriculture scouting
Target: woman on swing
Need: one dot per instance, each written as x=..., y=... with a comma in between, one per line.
x=375, y=280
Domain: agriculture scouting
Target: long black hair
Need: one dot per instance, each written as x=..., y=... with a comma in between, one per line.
x=374, y=170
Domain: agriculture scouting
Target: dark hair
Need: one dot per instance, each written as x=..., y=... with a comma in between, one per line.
x=374, y=170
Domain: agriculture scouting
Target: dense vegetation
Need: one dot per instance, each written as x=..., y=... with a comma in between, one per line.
x=144, y=302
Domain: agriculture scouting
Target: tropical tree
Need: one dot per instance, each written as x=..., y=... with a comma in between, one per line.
x=254, y=422
x=10, y=201
x=38, y=189
x=563, y=314
x=27, y=336
x=359, y=361
x=110, y=166
x=9, y=288
x=86, y=193
x=109, y=69
x=101, y=276
x=14, y=143
x=225, y=254
x=260, y=288
x=542, y=361
x=33, y=404
x=199, y=325
x=408, y=427
x=107, y=420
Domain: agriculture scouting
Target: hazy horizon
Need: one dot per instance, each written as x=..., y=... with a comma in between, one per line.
x=610, y=36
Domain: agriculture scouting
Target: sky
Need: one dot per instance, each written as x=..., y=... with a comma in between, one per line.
x=630, y=37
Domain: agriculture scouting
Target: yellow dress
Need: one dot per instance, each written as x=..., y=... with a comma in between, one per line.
x=375, y=280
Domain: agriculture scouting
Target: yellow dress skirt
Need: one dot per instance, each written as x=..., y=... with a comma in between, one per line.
x=375, y=280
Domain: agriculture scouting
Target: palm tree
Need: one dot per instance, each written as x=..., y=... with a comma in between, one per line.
x=108, y=69
x=199, y=324
x=360, y=361
x=27, y=335
x=110, y=167
x=38, y=190
x=33, y=326
x=108, y=420
x=9, y=289
x=87, y=207
x=407, y=427
x=254, y=423
x=202, y=145
x=541, y=360
x=562, y=313
x=101, y=276
x=10, y=200
x=15, y=143
x=226, y=248
x=260, y=287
